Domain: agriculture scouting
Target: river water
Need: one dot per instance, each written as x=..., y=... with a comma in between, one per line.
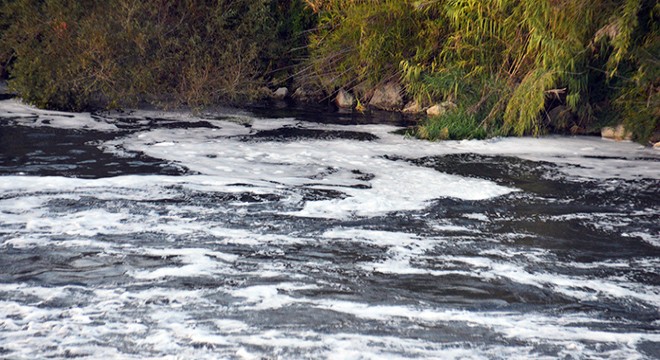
x=162, y=235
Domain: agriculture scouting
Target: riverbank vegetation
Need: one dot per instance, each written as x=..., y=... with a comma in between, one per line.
x=74, y=54
x=509, y=67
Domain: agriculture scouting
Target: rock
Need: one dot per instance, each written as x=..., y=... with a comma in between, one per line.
x=440, y=109
x=607, y=132
x=412, y=107
x=300, y=94
x=387, y=97
x=344, y=99
x=281, y=93
x=303, y=94
x=655, y=138
x=560, y=116
x=615, y=133
x=363, y=92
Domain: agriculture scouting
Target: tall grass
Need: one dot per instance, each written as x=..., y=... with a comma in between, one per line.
x=506, y=62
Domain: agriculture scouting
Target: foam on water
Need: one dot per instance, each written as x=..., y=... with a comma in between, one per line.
x=328, y=244
x=314, y=164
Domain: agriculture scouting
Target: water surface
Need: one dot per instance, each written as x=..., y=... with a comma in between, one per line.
x=229, y=235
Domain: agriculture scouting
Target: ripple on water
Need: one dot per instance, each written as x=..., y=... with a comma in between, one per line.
x=155, y=235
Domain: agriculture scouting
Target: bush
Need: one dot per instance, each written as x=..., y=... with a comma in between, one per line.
x=73, y=54
x=636, y=77
x=363, y=41
x=294, y=20
x=505, y=62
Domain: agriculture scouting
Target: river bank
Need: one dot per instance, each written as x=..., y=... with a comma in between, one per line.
x=565, y=67
x=325, y=109
x=336, y=107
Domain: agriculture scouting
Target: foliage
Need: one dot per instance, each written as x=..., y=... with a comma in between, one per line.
x=73, y=54
x=363, y=41
x=507, y=62
x=454, y=125
x=635, y=73
x=293, y=22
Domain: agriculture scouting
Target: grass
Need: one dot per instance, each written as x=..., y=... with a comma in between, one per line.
x=453, y=125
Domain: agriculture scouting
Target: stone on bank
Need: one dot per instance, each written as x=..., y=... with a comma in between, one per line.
x=412, y=107
x=344, y=99
x=440, y=109
x=618, y=133
x=281, y=93
x=387, y=97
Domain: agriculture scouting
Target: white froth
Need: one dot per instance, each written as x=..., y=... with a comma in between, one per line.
x=653, y=239
x=579, y=156
x=27, y=115
x=261, y=297
x=155, y=318
x=476, y=216
x=194, y=263
x=320, y=164
x=521, y=326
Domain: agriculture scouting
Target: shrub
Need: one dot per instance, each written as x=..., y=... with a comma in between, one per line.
x=507, y=62
x=634, y=71
x=293, y=22
x=73, y=54
x=535, y=54
x=363, y=41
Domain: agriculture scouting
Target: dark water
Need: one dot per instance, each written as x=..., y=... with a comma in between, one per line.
x=49, y=151
x=123, y=254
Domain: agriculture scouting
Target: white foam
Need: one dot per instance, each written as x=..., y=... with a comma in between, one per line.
x=403, y=248
x=580, y=156
x=27, y=115
x=476, y=216
x=154, y=317
x=528, y=326
x=397, y=185
x=653, y=239
x=261, y=297
x=195, y=263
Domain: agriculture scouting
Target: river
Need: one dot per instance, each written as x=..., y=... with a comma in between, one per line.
x=163, y=235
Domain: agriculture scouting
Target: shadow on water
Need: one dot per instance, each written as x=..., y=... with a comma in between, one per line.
x=328, y=114
x=46, y=151
x=293, y=133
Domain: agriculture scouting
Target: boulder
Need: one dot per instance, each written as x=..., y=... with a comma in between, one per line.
x=655, y=138
x=560, y=117
x=440, y=109
x=617, y=133
x=281, y=93
x=344, y=99
x=304, y=94
x=363, y=92
x=387, y=97
x=412, y=107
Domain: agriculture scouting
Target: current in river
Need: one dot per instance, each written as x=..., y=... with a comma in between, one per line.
x=235, y=235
